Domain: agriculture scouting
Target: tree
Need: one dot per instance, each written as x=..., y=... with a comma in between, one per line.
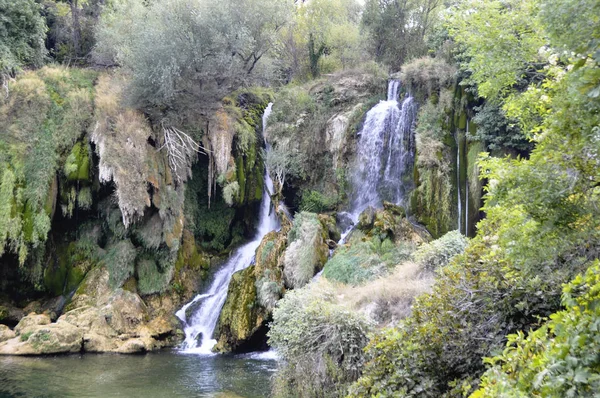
x=320, y=29
x=188, y=53
x=71, y=26
x=397, y=29
x=22, y=33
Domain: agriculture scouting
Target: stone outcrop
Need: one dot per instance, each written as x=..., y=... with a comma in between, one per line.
x=391, y=222
x=251, y=296
x=298, y=251
x=98, y=319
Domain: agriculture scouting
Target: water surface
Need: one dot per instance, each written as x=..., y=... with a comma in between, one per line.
x=163, y=374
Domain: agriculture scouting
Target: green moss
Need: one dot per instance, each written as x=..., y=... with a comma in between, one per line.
x=240, y=316
x=77, y=165
x=47, y=112
x=150, y=279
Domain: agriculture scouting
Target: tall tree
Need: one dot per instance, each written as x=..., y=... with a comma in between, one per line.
x=186, y=53
x=22, y=34
x=397, y=29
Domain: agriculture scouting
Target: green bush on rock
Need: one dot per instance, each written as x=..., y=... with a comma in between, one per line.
x=438, y=253
x=321, y=343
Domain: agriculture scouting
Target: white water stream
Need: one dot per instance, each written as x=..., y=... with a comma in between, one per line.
x=200, y=326
x=385, y=153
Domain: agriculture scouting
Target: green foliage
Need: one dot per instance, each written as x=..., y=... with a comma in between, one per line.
x=324, y=35
x=439, y=253
x=541, y=227
x=120, y=262
x=560, y=358
x=222, y=48
x=397, y=31
x=498, y=132
x=44, y=115
x=320, y=342
x=21, y=37
x=357, y=263
x=316, y=202
x=71, y=27
x=500, y=40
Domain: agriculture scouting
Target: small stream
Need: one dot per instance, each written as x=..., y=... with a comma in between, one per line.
x=160, y=374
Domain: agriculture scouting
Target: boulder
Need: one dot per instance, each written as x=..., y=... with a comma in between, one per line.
x=30, y=320
x=44, y=339
x=98, y=319
x=6, y=333
x=366, y=219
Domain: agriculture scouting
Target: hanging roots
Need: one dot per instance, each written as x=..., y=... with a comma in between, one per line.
x=182, y=151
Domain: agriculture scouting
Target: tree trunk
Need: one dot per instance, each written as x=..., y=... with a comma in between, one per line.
x=76, y=28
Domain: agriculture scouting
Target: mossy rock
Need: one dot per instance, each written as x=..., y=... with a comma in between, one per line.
x=241, y=316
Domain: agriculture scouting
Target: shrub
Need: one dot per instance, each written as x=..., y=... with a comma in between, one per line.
x=321, y=343
x=268, y=291
x=560, y=359
x=440, y=252
x=316, y=202
x=364, y=261
x=428, y=74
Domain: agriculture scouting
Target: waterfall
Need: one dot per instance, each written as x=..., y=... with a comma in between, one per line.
x=200, y=327
x=458, y=180
x=385, y=153
x=467, y=190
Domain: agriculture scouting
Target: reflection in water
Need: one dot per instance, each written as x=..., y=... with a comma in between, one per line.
x=165, y=374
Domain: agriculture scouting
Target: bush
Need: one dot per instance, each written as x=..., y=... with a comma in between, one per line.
x=440, y=252
x=427, y=74
x=321, y=343
x=268, y=291
x=364, y=261
x=316, y=202
x=560, y=359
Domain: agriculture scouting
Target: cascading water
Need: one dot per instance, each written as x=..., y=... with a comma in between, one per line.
x=458, y=181
x=467, y=193
x=199, y=328
x=385, y=152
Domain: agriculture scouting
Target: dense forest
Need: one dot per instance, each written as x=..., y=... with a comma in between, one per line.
x=400, y=197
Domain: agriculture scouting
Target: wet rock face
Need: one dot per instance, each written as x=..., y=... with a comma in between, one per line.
x=284, y=260
x=98, y=319
x=252, y=293
x=391, y=222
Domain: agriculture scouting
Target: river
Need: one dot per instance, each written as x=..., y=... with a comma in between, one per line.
x=160, y=374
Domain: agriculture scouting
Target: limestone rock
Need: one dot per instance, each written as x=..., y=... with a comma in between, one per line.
x=44, y=339
x=366, y=219
x=6, y=333
x=251, y=296
x=30, y=320
x=98, y=319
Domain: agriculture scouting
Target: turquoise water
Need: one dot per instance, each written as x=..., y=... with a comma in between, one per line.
x=163, y=374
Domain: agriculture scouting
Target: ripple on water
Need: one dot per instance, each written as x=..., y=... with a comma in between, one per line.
x=164, y=374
